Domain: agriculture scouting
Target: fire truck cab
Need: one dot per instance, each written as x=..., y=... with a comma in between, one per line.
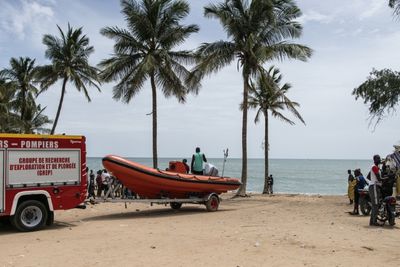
x=38, y=175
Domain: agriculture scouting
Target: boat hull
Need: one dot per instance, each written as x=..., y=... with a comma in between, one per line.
x=151, y=183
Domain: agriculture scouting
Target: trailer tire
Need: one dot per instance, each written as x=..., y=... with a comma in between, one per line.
x=31, y=215
x=212, y=203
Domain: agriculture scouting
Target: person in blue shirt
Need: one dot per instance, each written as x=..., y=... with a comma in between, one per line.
x=361, y=183
x=197, y=162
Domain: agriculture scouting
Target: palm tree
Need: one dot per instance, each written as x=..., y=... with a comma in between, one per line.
x=22, y=74
x=395, y=4
x=8, y=118
x=268, y=96
x=35, y=120
x=144, y=51
x=69, y=57
x=258, y=32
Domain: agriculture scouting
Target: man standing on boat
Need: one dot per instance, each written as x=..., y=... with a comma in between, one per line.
x=197, y=162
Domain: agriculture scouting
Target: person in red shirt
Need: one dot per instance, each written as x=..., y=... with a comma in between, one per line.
x=186, y=165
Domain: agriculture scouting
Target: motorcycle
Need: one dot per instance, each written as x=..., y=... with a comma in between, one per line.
x=365, y=201
x=387, y=211
x=397, y=209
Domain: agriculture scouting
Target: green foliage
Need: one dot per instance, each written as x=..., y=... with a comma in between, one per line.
x=35, y=120
x=381, y=92
x=258, y=31
x=144, y=49
x=8, y=118
x=69, y=56
x=267, y=95
x=21, y=75
x=18, y=110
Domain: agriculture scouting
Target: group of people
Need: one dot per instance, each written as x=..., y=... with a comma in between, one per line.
x=355, y=183
x=380, y=183
x=105, y=185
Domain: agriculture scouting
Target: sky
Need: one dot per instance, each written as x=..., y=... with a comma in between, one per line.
x=349, y=39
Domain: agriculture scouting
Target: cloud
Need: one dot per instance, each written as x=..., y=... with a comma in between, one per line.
x=25, y=17
x=358, y=31
x=372, y=9
x=316, y=17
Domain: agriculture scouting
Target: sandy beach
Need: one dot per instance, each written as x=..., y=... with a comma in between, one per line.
x=279, y=230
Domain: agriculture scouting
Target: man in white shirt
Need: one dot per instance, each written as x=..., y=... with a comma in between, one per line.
x=375, y=188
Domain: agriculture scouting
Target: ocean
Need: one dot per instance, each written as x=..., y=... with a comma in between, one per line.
x=300, y=176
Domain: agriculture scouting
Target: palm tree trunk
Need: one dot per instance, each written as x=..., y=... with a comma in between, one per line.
x=154, y=112
x=266, y=156
x=59, y=105
x=242, y=190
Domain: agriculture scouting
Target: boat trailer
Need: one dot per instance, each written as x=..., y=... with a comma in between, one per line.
x=211, y=201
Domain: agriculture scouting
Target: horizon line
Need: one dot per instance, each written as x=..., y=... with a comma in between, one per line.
x=241, y=158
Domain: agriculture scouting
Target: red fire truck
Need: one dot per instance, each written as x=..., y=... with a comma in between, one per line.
x=38, y=175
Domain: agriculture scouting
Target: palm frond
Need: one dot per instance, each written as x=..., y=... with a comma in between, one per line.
x=268, y=95
x=395, y=4
x=130, y=84
x=212, y=57
x=118, y=66
x=283, y=50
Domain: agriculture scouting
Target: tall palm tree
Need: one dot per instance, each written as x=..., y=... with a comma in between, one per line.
x=69, y=55
x=259, y=31
x=145, y=51
x=269, y=97
x=22, y=74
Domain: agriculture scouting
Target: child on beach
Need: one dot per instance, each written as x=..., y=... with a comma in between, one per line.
x=270, y=184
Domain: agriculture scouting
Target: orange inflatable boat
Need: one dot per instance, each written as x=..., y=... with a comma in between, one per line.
x=151, y=183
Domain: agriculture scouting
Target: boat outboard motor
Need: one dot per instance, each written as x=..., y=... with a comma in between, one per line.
x=210, y=170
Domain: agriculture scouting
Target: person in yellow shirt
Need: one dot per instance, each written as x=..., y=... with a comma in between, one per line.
x=350, y=187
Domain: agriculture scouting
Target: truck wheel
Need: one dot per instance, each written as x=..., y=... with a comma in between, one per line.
x=31, y=215
x=212, y=203
x=50, y=218
x=175, y=205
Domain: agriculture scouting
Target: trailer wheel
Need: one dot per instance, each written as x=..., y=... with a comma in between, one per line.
x=175, y=205
x=212, y=203
x=31, y=215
